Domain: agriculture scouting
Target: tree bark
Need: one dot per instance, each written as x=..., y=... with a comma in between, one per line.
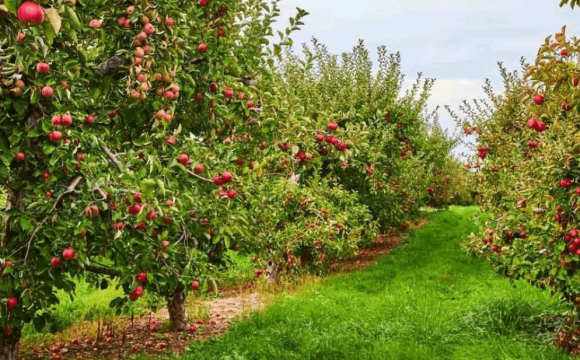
x=273, y=270
x=177, y=309
x=9, y=346
x=14, y=201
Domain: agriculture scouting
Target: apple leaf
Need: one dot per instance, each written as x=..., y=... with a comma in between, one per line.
x=12, y=5
x=54, y=18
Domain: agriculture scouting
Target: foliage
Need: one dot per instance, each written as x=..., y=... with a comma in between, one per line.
x=528, y=173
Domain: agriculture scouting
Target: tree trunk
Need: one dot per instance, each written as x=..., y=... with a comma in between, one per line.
x=273, y=270
x=14, y=201
x=177, y=310
x=9, y=346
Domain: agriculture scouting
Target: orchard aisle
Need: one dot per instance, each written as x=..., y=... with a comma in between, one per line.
x=426, y=300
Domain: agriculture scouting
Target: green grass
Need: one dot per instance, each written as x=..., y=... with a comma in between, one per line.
x=426, y=300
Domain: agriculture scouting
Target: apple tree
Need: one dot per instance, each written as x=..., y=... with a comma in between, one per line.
x=114, y=150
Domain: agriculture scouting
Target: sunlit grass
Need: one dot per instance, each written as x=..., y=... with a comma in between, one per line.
x=426, y=300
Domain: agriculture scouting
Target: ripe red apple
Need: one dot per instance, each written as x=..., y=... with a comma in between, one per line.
x=46, y=176
x=42, y=67
x=538, y=99
x=232, y=193
x=49, y=194
x=142, y=277
x=319, y=138
x=575, y=81
x=183, y=159
x=533, y=123
x=169, y=22
x=559, y=208
x=138, y=290
x=566, y=106
x=21, y=37
x=220, y=33
x=191, y=329
x=533, y=144
x=31, y=12
x=194, y=285
x=20, y=156
x=564, y=53
x=55, y=262
x=199, y=169
x=332, y=126
x=250, y=104
x=240, y=161
x=92, y=211
x=47, y=91
x=149, y=29
x=202, y=48
x=68, y=254
x=565, y=183
x=11, y=303
x=81, y=157
x=133, y=296
x=152, y=215
x=95, y=24
x=202, y=2
x=226, y=177
x=134, y=209
x=218, y=180
x=137, y=197
x=135, y=349
x=165, y=244
x=214, y=87
x=541, y=127
x=55, y=136
x=229, y=93
x=56, y=120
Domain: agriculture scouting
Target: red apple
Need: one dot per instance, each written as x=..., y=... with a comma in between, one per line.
x=229, y=93
x=42, y=67
x=68, y=254
x=202, y=48
x=194, y=285
x=183, y=159
x=55, y=262
x=332, y=126
x=134, y=209
x=20, y=156
x=137, y=197
x=142, y=277
x=226, y=177
x=31, y=12
x=539, y=100
x=47, y=91
x=232, y=194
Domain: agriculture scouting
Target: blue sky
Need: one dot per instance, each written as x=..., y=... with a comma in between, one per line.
x=458, y=42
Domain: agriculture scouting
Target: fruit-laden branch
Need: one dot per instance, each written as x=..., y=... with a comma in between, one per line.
x=69, y=190
x=101, y=270
x=111, y=157
x=199, y=177
x=113, y=65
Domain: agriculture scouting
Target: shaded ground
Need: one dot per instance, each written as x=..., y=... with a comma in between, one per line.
x=149, y=334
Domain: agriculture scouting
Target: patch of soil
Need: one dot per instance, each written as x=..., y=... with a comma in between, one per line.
x=379, y=248
x=148, y=334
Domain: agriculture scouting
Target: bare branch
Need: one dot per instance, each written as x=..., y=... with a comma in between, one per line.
x=69, y=190
x=101, y=192
x=199, y=177
x=111, y=157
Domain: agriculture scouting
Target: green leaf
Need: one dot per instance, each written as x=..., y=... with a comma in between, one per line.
x=54, y=19
x=12, y=5
x=26, y=224
x=49, y=32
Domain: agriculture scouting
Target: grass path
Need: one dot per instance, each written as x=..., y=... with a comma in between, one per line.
x=426, y=300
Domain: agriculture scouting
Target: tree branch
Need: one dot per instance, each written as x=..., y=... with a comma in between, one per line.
x=199, y=177
x=101, y=270
x=69, y=190
x=113, y=65
x=111, y=156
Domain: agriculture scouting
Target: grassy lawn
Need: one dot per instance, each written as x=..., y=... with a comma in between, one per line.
x=426, y=300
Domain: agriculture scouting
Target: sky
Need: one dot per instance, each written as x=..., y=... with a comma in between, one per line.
x=457, y=42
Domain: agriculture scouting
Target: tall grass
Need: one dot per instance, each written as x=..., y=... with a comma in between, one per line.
x=426, y=300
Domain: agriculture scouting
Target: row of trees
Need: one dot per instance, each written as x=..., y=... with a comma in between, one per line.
x=140, y=141
x=527, y=170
